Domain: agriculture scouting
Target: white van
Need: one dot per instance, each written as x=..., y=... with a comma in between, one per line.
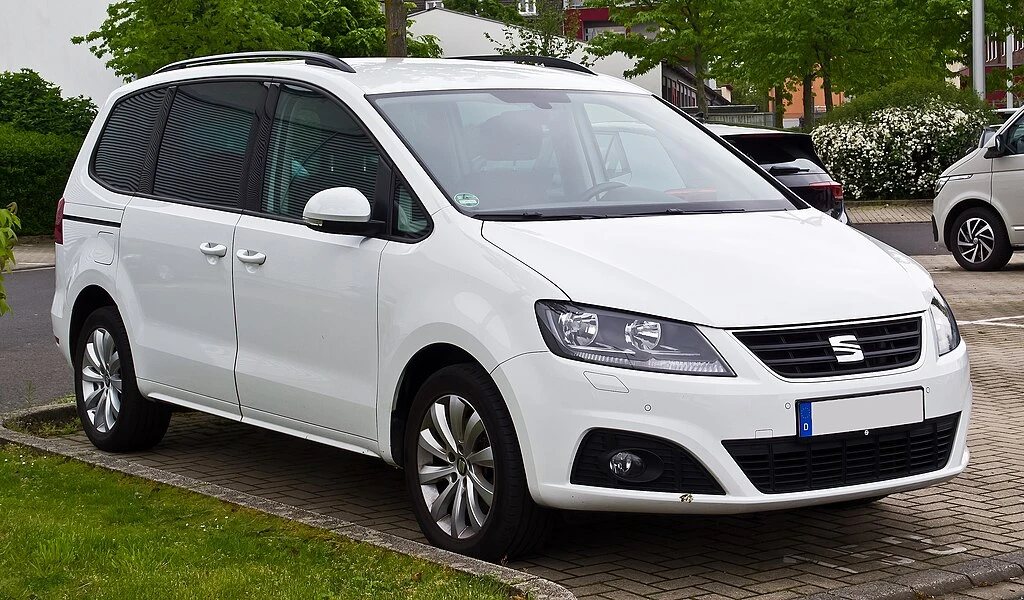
x=978, y=212
x=532, y=287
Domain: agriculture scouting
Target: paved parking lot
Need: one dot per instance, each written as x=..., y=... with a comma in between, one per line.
x=771, y=555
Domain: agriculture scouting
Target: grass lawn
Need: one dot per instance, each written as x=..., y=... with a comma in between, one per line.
x=70, y=530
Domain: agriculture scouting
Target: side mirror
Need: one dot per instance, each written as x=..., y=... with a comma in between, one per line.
x=340, y=210
x=997, y=149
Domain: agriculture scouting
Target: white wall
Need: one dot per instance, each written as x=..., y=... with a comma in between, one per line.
x=461, y=34
x=36, y=34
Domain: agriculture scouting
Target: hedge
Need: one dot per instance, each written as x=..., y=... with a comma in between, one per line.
x=893, y=143
x=34, y=169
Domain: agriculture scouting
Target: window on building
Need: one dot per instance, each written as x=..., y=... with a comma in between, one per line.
x=429, y=4
x=528, y=7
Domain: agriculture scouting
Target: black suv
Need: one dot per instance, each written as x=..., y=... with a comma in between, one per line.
x=790, y=158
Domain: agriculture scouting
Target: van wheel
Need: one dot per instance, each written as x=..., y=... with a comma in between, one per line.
x=979, y=240
x=115, y=416
x=464, y=469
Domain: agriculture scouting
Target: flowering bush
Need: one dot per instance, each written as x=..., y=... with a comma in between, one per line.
x=897, y=152
x=8, y=223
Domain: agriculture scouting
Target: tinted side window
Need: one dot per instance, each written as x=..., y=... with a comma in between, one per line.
x=1015, y=137
x=203, y=148
x=314, y=145
x=122, y=147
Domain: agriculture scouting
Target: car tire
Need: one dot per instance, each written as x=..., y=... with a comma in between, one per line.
x=448, y=473
x=115, y=416
x=979, y=241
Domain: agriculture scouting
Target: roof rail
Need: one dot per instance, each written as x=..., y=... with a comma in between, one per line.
x=311, y=58
x=547, y=61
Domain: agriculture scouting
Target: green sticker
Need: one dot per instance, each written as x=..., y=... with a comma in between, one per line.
x=467, y=200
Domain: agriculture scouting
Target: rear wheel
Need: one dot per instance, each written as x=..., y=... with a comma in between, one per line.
x=979, y=240
x=115, y=416
x=464, y=469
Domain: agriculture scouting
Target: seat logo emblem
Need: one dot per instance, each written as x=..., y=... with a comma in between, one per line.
x=846, y=348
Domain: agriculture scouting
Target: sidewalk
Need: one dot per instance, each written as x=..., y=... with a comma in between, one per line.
x=896, y=211
x=33, y=255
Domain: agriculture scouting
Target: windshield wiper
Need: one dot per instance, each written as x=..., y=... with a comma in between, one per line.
x=533, y=216
x=688, y=211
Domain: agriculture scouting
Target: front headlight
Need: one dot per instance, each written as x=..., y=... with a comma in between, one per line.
x=942, y=181
x=947, y=334
x=618, y=339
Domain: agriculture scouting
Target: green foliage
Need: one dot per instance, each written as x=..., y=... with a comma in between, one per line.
x=140, y=36
x=489, y=9
x=34, y=170
x=147, y=540
x=549, y=33
x=897, y=152
x=678, y=32
x=8, y=224
x=29, y=102
x=916, y=94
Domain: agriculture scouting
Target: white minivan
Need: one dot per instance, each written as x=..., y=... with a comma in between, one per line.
x=530, y=286
x=978, y=211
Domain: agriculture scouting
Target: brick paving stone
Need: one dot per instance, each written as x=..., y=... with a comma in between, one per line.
x=901, y=212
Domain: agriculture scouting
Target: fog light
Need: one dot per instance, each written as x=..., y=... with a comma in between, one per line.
x=626, y=465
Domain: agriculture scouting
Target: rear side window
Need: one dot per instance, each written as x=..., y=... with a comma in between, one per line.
x=203, y=150
x=122, y=147
x=778, y=149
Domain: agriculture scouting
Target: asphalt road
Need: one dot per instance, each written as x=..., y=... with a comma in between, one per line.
x=32, y=371
x=914, y=239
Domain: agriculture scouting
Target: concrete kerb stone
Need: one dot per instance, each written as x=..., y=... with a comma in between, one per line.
x=531, y=585
x=935, y=582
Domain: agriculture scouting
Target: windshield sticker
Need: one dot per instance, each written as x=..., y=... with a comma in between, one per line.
x=467, y=200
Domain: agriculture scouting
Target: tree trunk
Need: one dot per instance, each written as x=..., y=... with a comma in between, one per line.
x=780, y=106
x=699, y=73
x=394, y=31
x=826, y=78
x=808, y=101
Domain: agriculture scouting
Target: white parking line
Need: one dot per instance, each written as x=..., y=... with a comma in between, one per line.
x=996, y=322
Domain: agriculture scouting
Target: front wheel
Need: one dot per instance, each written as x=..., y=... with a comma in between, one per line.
x=115, y=416
x=464, y=469
x=980, y=242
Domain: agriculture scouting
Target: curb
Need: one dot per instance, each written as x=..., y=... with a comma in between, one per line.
x=980, y=572
x=531, y=585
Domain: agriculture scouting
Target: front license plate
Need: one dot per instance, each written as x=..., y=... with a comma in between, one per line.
x=822, y=417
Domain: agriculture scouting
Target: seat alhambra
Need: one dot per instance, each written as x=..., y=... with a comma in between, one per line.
x=529, y=286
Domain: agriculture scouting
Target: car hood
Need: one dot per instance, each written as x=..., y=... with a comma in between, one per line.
x=721, y=270
x=965, y=166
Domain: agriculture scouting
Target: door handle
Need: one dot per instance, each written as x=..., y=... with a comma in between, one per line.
x=211, y=249
x=251, y=257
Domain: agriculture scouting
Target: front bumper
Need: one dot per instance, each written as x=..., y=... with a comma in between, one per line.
x=555, y=402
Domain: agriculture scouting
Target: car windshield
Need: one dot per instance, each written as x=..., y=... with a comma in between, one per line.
x=535, y=154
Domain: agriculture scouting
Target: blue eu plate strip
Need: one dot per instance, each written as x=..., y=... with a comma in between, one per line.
x=803, y=417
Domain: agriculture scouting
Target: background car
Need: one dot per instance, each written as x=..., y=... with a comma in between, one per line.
x=790, y=158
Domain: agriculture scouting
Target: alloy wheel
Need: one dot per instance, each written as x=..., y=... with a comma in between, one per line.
x=455, y=465
x=101, y=380
x=975, y=240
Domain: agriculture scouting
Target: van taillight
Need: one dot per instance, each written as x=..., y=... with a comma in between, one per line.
x=58, y=225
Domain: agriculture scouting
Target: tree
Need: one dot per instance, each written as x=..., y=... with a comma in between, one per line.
x=8, y=223
x=678, y=32
x=488, y=9
x=549, y=33
x=140, y=36
x=30, y=103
